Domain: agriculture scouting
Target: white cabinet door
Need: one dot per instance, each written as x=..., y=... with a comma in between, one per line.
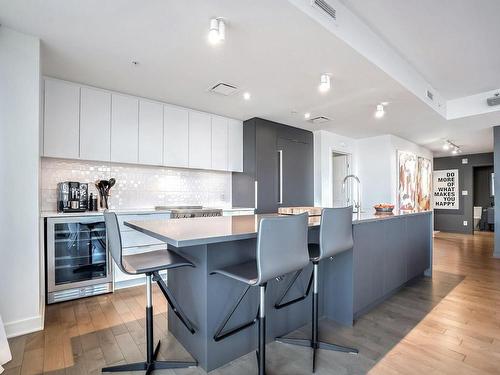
x=200, y=147
x=95, y=124
x=219, y=142
x=175, y=136
x=235, y=146
x=61, y=126
x=150, y=133
x=124, y=129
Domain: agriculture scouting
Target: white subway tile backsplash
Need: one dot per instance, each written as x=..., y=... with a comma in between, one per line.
x=138, y=186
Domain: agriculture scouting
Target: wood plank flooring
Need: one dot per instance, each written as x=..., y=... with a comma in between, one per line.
x=446, y=325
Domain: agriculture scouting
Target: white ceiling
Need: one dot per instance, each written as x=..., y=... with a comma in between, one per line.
x=454, y=44
x=272, y=50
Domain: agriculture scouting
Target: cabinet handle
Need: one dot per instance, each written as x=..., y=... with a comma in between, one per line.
x=280, y=177
x=256, y=194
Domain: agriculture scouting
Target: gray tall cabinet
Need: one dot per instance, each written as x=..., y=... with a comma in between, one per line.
x=277, y=167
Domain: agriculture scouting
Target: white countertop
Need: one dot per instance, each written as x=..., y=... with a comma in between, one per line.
x=131, y=211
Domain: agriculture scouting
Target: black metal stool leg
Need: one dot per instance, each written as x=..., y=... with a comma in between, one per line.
x=314, y=342
x=151, y=363
x=261, y=354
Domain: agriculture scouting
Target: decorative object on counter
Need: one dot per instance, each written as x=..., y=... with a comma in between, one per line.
x=72, y=196
x=103, y=187
x=312, y=211
x=384, y=209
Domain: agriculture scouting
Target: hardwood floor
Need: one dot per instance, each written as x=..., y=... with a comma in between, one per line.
x=446, y=325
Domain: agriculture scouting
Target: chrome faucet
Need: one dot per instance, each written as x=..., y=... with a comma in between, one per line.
x=357, y=204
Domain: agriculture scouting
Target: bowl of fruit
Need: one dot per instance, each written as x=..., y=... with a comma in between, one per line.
x=384, y=208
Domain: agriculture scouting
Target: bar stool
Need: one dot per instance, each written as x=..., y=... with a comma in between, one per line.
x=281, y=248
x=149, y=263
x=335, y=236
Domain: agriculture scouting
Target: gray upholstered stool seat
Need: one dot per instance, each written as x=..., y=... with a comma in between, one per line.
x=335, y=236
x=153, y=261
x=149, y=264
x=281, y=249
x=245, y=272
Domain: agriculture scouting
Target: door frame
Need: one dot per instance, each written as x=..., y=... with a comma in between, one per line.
x=330, y=174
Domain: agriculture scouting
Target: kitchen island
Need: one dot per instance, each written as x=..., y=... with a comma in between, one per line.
x=388, y=252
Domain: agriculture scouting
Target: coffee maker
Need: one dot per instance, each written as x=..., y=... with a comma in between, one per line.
x=72, y=196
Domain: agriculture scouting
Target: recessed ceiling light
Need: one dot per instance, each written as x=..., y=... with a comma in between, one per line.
x=307, y=115
x=380, y=112
x=325, y=83
x=217, y=31
x=246, y=96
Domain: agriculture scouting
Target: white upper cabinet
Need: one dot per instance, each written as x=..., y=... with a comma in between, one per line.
x=61, y=126
x=200, y=136
x=124, y=129
x=235, y=146
x=95, y=124
x=150, y=133
x=82, y=122
x=219, y=142
x=175, y=136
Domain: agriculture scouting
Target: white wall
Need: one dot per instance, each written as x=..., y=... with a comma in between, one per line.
x=374, y=160
x=20, y=299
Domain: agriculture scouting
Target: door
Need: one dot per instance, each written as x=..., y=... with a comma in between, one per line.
x=235, y=146
x=124, y=129
x=200, y=136
x=341, y=197
x=61, y=132
x=266, y=169
x=295, y=173
x=219, y=142
x=175, y=137
x=76, y=254
x=95, y=124
x=150, y=133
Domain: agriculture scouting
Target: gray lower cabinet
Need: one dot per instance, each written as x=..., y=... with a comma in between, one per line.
x=277, y=167
x=386, y=255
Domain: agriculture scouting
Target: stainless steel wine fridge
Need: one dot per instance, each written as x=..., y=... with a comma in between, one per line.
x=77, y=261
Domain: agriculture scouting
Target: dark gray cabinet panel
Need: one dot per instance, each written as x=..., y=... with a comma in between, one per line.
x=387, y=254
x=418, y=247
x=297, y=164
x=261, y=141
x=394, y=254
x=267, y=169
x=368, y=260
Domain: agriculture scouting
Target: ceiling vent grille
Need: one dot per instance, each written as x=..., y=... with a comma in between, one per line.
x=222, y=88
x=494, y=100
x=319, y=120
x=327, y=8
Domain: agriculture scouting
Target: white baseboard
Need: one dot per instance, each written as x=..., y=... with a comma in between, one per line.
x=24, y=326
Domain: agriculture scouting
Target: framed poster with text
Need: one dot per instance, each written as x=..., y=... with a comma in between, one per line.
x=445, y=184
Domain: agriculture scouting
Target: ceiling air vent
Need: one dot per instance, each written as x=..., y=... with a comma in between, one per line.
x=222, y=88
x=319, y=120
x=494, y=100
x=327, y=8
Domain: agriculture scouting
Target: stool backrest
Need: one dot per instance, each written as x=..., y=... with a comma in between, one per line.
x=114, y=238
x=335, y=233
x=281, y=246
